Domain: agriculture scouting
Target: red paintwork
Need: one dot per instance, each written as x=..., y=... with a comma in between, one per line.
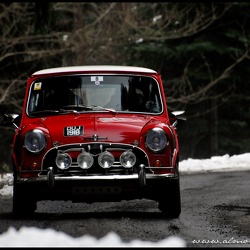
x=119, y=128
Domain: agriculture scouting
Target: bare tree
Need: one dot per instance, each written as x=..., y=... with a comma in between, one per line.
x=102, y=32
x=37, y=35
x=98, y=33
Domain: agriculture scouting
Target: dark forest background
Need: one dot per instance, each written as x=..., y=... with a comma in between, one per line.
x=200, y=49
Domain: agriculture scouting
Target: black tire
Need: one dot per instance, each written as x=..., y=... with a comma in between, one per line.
x=22, y=203
x=170, y=205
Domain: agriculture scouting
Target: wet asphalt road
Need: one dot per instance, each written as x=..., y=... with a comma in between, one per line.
x=215, y=213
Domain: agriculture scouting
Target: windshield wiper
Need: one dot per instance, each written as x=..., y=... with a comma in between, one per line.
x=72, y=108
x=90, y=107
x=46, y=111
x=53, y=111
x=102, y=108
x=78, y=106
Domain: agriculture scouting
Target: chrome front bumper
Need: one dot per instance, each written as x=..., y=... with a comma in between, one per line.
x=89, y=188
x=142, y=177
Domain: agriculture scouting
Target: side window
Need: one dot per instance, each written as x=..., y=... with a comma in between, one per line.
x=153, y=103
x=34, y=102
x=144, y=92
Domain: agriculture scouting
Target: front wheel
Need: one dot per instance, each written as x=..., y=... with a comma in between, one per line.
x=170, y=204
x=23, y=204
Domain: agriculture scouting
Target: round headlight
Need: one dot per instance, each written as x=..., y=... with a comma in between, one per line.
x=85, y=160
x=156, y=140
x=63, y=161
x=35, y=141
x=106, y=159
x=128, y=159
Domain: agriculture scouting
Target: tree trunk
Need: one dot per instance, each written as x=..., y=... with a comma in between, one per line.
x=213, y=128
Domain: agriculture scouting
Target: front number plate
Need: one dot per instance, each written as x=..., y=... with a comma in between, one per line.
x=73, y=131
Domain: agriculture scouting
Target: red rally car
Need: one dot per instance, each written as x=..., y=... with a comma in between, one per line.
x=95, y=134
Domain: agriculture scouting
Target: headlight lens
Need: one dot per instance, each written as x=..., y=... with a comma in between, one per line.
x=35, y=141
x=85, y=160
x=63, y=161
x=156, y=140
x=128, y=159
x=106, y=159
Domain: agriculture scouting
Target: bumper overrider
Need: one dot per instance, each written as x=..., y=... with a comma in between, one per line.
x=87, y=185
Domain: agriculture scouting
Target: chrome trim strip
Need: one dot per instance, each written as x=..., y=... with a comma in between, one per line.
x=110, y=177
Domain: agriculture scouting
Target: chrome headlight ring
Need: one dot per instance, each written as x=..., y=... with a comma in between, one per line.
x=156, y=140
x=85, y=160
x=106, y=159
x=35, y=141
x=127, y=159
x=63, y=161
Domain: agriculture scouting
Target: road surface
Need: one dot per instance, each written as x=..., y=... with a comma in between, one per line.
x=215, y=213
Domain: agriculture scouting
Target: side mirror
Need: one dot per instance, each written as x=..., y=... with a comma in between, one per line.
x=177, y=116
x=10, y=119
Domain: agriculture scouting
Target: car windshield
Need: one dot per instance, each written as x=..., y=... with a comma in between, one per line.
x=87, y=93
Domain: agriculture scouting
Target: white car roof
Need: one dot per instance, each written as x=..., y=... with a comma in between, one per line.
x=96, y=68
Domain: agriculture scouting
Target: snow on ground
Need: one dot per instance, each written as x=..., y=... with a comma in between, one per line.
x=18, y=238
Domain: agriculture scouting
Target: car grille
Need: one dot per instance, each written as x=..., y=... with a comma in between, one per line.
x=94, y=149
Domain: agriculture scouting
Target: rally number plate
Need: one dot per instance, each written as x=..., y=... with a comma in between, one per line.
x=73, y=131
